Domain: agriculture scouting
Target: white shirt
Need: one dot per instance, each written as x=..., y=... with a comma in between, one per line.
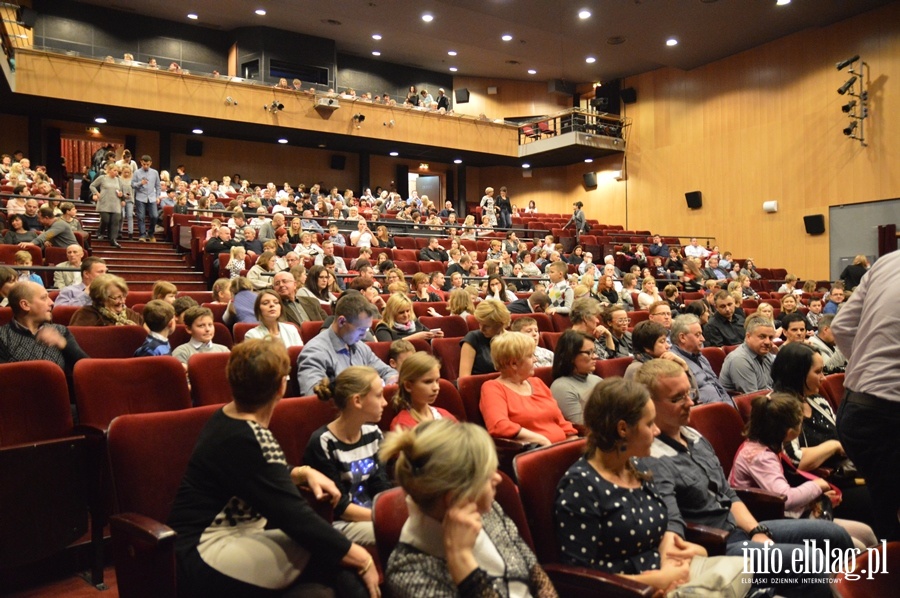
x=698, y=251
x=287, y=334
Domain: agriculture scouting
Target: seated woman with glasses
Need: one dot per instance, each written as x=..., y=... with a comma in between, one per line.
x=108, y=293
x=573, y=374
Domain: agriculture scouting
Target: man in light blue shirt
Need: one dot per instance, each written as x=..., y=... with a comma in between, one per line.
x=77, y=294
x=146, y=198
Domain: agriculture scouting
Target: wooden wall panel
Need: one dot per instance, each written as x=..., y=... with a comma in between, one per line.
x=513, y=98
x=15, y=133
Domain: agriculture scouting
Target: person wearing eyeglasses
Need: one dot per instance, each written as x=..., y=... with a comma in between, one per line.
x=108, y=293
x=573, y=374
x=687, y=340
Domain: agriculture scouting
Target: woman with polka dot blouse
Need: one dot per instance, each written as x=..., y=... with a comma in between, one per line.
x=609, y=515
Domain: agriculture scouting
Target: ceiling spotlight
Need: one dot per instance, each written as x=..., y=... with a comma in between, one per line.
x=458, y=161
x=274, y=107
x=848, y=130
x=782, y=2
x=230, y=101
x=376, y=36
x=451, y=53
x=848, y=106
x=590, y=60
x=453, y=69
x=588, y=160
x=193, y=16
x=376, y=53
x=359, y=117
x=197, y=131
x=671, y=42
x=100, y=120
x=845, y=63
x=846, y=86
x=427, y=17
x=260, y=11
x=584, y=14
x=395, y=154
x=282, y=141
x=526, y=165
x=532, y=72
x=506, y=37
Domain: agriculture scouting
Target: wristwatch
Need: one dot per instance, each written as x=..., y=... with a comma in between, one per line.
x=760, y=529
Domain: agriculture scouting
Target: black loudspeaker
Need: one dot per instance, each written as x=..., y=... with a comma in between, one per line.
x=26, y=16
x=338, y=162
x=694, y=199
x=815, y=224
x=193, y=147
x=590, y=180
x=628, y=95
x=462, y=95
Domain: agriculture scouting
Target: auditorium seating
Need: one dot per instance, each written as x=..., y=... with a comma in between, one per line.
x=607, y=368
x=447, y=351
x=451, y=326
x=833, y=390
x=715, y=356
x=209, y=383
x=109, y=342
x=744, y=403
x=221, y=336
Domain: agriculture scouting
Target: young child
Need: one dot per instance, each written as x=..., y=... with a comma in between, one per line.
x=236, y=263
x=23, y=258
x=815, y=313
x=199, y=323
x=336, y=237
x=542, y=357
x=159, y=317
x=181, y=305
x=417, y=388
x=400, y=350
x=165, y=290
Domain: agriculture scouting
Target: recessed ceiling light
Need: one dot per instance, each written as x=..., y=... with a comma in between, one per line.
x=590, y=60
x=376, y=53
x=376, y=36
x=584, y=14
x=451, y=53
x=532, y=72
x=428, y=17
x=526, y=165
x=193, y=16
x=457, y=161
x=782, y=2
x=588, y=160
x=260, y=11
x=671, y=42
x=100, y=120
x=282, y=140
x=394, y=154
x=453, y=69
x=506, y=37
x=197, y=131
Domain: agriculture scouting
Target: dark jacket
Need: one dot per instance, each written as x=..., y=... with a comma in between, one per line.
x=719, y=332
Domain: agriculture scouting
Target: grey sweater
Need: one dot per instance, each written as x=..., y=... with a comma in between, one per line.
x=571, y=392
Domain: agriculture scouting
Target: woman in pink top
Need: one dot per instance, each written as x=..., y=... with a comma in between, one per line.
x=518, y=405
x=417, y=388
x=760, y=462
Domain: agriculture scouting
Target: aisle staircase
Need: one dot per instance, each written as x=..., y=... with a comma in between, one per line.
x=142, y=264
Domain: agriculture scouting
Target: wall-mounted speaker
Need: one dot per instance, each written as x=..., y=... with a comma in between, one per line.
x=694, y=199
x=462, y=95
x=628, y=95
x=338, y=162
x=815, y=224
x=193, y=147
x=590, y=180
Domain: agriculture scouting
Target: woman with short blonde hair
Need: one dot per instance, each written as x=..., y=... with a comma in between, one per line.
x=398, y=321
x=475, y=353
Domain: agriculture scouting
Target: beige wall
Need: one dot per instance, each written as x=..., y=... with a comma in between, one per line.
x=513, y=98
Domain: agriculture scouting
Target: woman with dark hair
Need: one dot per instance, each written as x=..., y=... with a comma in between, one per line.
x=242, y=527
x=798, y=370
x=318, y=280
x=651, y=341
x=573, y=374
x=700, y=309
x=610, y=515
x=17, y=232
x=577, y=256
x=496, y=290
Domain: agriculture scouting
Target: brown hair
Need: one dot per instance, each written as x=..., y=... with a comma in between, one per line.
x=256, y=371
x=157, y=314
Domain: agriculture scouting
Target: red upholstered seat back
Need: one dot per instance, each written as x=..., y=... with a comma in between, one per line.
x=470, y=393
x=295, y=420
x=833, y=389
x=744, y=403
x=607, y=368
x=447, y=351
x=34, y=403
x=451, y=326
x=716, y=357
x=721, y=425
x=209, y=384
x=108, y=342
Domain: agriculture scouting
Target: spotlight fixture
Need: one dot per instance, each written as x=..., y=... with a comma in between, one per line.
x=846, y=86
x=389, y=123
x=526, y=165
x=394, y=154
x=848, y=130
x=359, y=117
x=197, y=131
x=274, y=107
x=457, y=161
x=100, y=120
x=848, y=106
x=845, y=63
x=230, y=101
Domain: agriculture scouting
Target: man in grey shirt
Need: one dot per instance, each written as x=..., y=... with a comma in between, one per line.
x=866, y=330
x=146, y=198
x=687, y=340
x=749, y=367
x=338, y=347
x=57, y=231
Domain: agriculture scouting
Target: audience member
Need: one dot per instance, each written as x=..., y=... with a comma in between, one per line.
x=536, y=303
x=200, y=325
x=726, y=326
x=687, y=340
x=835, y=299
x=749, y=367
x=825, y=343
x=159, y=319
x=268, y=311
x=108, y=294
x=573, y=374
x=475, y=348
x=418, y=387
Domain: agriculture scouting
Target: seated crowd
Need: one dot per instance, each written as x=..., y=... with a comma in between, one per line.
x=539, y=388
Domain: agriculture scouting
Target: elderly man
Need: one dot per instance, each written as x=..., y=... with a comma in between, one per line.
x=221, y=243
x=609, y=267
x=712, y=271
x=690, y=480
x=295, y=309
x=687, y=340
x=64, y=278
x=337, y=347
x=57, y=231
x=328, y=250
x=77, y=293
x=824, y=341
x=307, y=223
x=253, y=245
x=31, y=336
x=587, y=262
x=749, y=367
x=725, y=327
x=146, y=198
x=288, y=261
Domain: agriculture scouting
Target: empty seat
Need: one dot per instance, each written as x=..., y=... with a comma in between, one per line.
x=607, y=368
x=715, y=356
x=447, y=351
x=109, y=342
x=451, y=326
x=209, y=383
